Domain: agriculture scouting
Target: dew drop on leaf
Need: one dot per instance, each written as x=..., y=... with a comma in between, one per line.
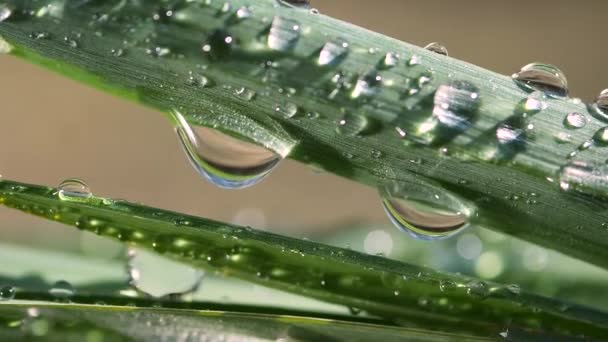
x=74, y=189
x=425, y=211
x=575, y=120
x=437, y=48
x=62, y=290
x=543, y=77
x=284, y=34
x=5, y=12
x=601, y=102
x=7, y=293
x=225, y=161
x=352, y=124
x=333, y=52
x=601, y=137
x=295, y=3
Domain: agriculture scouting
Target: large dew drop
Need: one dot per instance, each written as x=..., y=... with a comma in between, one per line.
x=425, y=211
x=74, y=189
x=7, y=293
x=284, y=34
x=602, y=102
x=437, y=48
x=62, y=290
x=544, y=77
x=225, y=161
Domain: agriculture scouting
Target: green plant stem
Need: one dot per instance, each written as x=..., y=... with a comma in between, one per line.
x=404, y=294
x=120, y=47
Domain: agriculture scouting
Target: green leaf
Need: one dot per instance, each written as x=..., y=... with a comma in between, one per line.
x=404, y=294
x=73, y=322
x=147, y=51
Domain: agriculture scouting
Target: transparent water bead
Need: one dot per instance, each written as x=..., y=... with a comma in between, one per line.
x=585, y=177
x=7, y=293
x=424, y=210
x=575, y=120
x=352, y=124
x=391, y=59
x=601, y=137
x=284, y=34
x=74, y=189
x=543, y=77
x=175, y=279
x=333, y=52
x=535, y=102
x=5, y=12
x=454, y=104
x=437, y=48
x=508, y=135
x=225, y=161
x=602, y=102
x=366, y=85
x=62, y=290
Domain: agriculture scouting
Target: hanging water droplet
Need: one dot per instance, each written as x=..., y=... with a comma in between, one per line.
x=333, y=52
x=424, y=210
x=352, y=124
x=295, y=3
x=5, y=12
x=437, y=48
x=223, y=160
x=7, y=293
x=74, y=189
x=544, y=77
x=601, y=137
x=284, y=34
x=575, y=120
x=62, y=290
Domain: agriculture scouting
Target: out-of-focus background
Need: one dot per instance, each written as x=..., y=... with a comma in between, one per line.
x=53, y=128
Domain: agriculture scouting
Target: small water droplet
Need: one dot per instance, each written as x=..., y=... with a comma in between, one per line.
x=575, y=120
x=601, y=137
x=5, y=12
x=223, y=160
x=333, y=52
x=244, y=93
x=601, y=103
x=284, y=34
x=425, y=211
x=543, y=77
x=74, y=189
x=391, y=59
x=243, y=13
x=287, y=109
x=366, y=85
x=7, y=293
x=352, y=124
x=62, y=290
x=509, y=135
x=117, y=52
x=504, y=334
x=5, y=47
x=437, y=48
x=535, y=102
x=454, y=106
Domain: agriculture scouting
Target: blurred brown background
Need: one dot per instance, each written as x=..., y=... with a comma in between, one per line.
x=53, y=128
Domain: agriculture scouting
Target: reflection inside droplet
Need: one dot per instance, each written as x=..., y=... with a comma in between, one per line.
x=424, y=210
x=225, y=161
x=543, y=77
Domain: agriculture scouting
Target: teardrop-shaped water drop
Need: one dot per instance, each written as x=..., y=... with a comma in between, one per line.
x=424, y=210
x=284, y=34
x=62, y=290
x=74, y=189
x=544, y=77
x=575, y=120
x=437, y=48
x=7, y=293
x=333, y=52
x=225, y=161
x=391, y=59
